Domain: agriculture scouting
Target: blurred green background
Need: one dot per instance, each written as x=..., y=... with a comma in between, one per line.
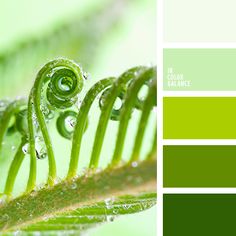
x=106, y=37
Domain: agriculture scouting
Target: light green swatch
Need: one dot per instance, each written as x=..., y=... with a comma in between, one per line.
x=200, y=69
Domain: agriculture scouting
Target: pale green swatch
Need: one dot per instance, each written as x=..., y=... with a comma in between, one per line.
x=199, y=20
x=200, y=69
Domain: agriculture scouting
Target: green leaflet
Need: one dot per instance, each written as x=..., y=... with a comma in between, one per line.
x=54, y=94
x=88, y=216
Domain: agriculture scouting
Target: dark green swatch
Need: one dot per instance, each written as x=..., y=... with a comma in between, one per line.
x=199, y=214
x=199, y=166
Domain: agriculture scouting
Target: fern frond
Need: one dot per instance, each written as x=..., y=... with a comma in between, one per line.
x=55, y=94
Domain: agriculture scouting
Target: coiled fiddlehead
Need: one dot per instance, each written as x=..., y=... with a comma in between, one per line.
x=56, y=90
x=65, y=81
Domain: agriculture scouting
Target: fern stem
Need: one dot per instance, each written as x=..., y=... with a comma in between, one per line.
x=10, y=110
x=64, y=197
x=131, y=98
x=81, y=122
x=147, y=107
x=106, y=112
x=33, y=164
x=36, y=99
x=14, y=168
x=59, y=97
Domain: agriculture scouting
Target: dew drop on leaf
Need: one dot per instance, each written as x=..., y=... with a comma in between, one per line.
x=16, y=233
x=42, y=154
x=109, y=202
x=134, y=164
x=115, y=211
x=25, y=148
x=70, y=122
x=73, y=186
x=3, y=199
x=126, y=206
x=110, y=218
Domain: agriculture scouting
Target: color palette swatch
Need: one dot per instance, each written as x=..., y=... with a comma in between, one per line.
x=199, y=166
x=188, y=69
x=199, y=118
x=199, y=21
x=199, y=214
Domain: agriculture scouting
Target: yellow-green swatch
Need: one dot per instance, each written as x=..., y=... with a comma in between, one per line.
x=199, y=117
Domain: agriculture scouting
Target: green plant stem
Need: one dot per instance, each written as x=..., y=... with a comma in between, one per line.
x=33, y=163
x=14, y=168
x=41, y=79
x=147, y=107
x=130, y=99
x=106, y=112
x=11, y=109
x=36, y=98
x=81, y=122
x=70, y=195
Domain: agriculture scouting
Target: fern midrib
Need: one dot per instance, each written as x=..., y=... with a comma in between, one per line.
x=69, y=195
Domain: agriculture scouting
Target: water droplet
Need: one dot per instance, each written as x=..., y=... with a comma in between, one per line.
x=45, y=218
x=16, y=233
x=110, y=218
x=98, y=170
x=25, y=148
x=78, y=103
x=2, y=103
x=86, y=76
x=134, y=164
x=33, y=193
x=109, y=202
x=50, y=115
x=42, y=154
x=70, y=121
x=3, y=199
x=44, y=109
x=57, y=180
x=19, y=205
x=35, y=121
x=115, y=211
x=73, y=186
x=126, y=206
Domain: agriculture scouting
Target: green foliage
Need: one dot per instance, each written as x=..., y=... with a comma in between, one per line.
x=54, y=95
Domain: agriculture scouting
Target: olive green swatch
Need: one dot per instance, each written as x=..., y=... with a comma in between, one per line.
x=199, y=214
x=199, y=117
x=199, y=166
x=201, y=69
